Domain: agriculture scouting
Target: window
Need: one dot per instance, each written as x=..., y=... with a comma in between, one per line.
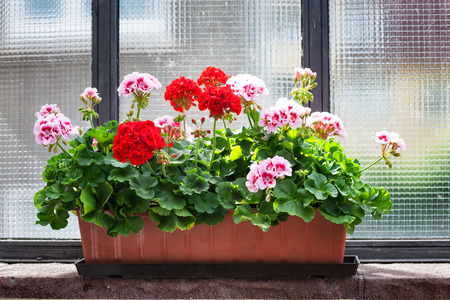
x=389, y=69
x=383, y=64
x=169, y=39
x=45, y=58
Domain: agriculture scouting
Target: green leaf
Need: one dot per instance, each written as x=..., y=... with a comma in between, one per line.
x=192, y=183
x=285, y=189
x=340, y=219
x=92, y=176
x=379, y=203
x=236, y=153
x=82, y=156
x=65, y=193
x=123, y=174
x=294, y=207
x=227, y=195
x=213, y=218
x=60, y=219
x=318, y=185
x=110, y=160
x=342, y=186
x=94, y=199
x=244, y=212
x=205, y=203
x=171, y=222
x=39, y=198
x=143, y=185
x=167, y=197
x=135, y=223
x=73, y=176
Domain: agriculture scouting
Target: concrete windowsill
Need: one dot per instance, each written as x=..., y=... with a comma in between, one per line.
x=373, y=281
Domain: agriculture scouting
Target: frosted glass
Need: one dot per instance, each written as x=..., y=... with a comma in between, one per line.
x=176, y=38
x=45, y=53
x=390, y=69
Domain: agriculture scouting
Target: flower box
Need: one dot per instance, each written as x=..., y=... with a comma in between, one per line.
x=280, y=191
x=293, y=241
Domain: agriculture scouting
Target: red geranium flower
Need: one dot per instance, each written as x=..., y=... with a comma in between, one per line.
x=212, y=76
x=220, y=101
x=182, y=93
x=136, y=142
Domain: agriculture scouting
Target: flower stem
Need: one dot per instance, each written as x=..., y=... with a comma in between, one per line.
x=163, y=168
x=64, y=151
x=213, y=145
x=371, y=165
x=225, y=127
x=151, y=169
x=250, y=121
x=90, y=121
x=196, y=150
x=138, y=111
x=184, y=122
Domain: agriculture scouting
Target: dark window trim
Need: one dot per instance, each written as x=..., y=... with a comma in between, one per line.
x=368, y=251
x=315, y=49
x=105, y=57
x=105, y=77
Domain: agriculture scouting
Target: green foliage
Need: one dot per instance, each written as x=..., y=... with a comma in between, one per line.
x=192, y=189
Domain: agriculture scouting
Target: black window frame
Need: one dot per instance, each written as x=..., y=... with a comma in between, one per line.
x=105, y=76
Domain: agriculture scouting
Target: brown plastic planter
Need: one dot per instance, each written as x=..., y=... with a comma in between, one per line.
x=293, y=241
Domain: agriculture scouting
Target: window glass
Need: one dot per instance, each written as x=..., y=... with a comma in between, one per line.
x=45, y=58
x=169, y=39
x=390, y=70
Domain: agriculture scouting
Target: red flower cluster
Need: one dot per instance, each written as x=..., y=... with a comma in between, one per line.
x=182, y=93
x=220, y=101
x=213, y=76
x=136, y=142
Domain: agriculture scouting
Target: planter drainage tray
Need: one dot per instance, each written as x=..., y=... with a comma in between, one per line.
x=220, y=270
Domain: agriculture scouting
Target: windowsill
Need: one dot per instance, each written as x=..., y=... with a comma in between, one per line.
x=373, y=281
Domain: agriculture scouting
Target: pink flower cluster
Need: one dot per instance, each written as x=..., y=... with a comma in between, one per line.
x=138, y=82
x=247, y=86
x=263, y=175
x=90, y=93
x=392, y=139
x=301, y=74
x=52, y=125
x=284, y=112
x=172, y=129
x=326, y=124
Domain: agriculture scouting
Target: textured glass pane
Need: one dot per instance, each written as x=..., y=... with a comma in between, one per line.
x=45, y=57
x=176, y=38
x=390, y=69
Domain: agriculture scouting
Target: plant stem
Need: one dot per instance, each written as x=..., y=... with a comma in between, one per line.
x=196, y=150
x=138, y=112
x=372, y=164
x=90, y=121
x=64, y=151
x=214, y=144
x=225, y=127
x=250, y=121
x=163, y=168
x=184, y=122
x=151, y=169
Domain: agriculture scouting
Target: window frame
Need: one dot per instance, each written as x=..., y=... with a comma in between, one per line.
x=105, y=76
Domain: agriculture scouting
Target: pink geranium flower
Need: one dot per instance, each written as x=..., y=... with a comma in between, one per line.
x=326, y=125
x=138, y=82
x=248, y=87
x=47, y=109
x=284, y=112
x=52, y=125
x=264, y=175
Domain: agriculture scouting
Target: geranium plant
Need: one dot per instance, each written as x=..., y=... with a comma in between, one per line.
x=286, y=163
